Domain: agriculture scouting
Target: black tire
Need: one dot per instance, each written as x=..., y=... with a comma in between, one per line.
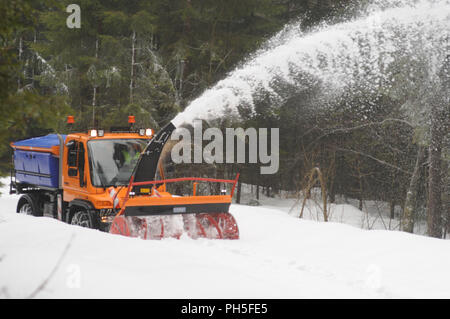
x=29, y=205
x=82, y=218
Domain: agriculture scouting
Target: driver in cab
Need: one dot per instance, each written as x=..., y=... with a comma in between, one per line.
x=127, y=155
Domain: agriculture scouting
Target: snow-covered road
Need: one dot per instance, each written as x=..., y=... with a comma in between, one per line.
x=278, y=256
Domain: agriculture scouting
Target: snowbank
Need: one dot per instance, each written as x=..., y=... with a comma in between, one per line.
x=278, y=256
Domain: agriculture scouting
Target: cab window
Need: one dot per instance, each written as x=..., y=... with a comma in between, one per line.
x=72, y=153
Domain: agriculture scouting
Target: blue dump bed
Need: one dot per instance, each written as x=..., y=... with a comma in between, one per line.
x=35, y=161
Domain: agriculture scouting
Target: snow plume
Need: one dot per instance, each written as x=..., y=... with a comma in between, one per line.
x=393, y=37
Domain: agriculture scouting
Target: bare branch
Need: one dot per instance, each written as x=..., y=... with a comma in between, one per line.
x=375, y=159
x=349, y=129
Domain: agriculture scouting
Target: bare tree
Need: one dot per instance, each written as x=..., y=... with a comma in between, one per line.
x=411, y=195
x=133, y=55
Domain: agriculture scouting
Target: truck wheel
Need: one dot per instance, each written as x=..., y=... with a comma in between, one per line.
x=26, y=209
x=82, y=218
x=28, y=205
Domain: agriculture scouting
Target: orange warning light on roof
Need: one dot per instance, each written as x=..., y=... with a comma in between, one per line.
x=70, y=119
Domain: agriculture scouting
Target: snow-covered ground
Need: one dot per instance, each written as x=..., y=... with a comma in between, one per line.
x=277, y=256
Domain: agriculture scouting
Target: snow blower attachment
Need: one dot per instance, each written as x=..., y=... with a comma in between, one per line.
x=148, y=211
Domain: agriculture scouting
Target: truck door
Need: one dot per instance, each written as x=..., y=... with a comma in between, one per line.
x=75, y=172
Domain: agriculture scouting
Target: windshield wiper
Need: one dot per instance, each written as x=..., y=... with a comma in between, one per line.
x=100, y=174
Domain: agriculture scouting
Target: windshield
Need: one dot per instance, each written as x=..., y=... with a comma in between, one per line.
x=112, y=161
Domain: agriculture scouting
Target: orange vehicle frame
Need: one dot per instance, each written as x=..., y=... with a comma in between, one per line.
x=100, y=198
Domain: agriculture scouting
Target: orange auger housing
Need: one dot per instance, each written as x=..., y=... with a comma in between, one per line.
x=160, y=215
x=106, y=180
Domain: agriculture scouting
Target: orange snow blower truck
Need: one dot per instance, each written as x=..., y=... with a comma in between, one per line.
x=114, y=181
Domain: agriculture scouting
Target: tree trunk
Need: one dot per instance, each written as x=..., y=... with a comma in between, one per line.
x=19, y=86
x=411, y=196
x=393, y=194
x=446, y=197
x=179, y=80
x=95, y=87
x=331, y=190
x=133, y=42
x=34, y=62
x=257, y=188
x=361, y=190
x=434, y=215
x=392, y=209
x=238, y=192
